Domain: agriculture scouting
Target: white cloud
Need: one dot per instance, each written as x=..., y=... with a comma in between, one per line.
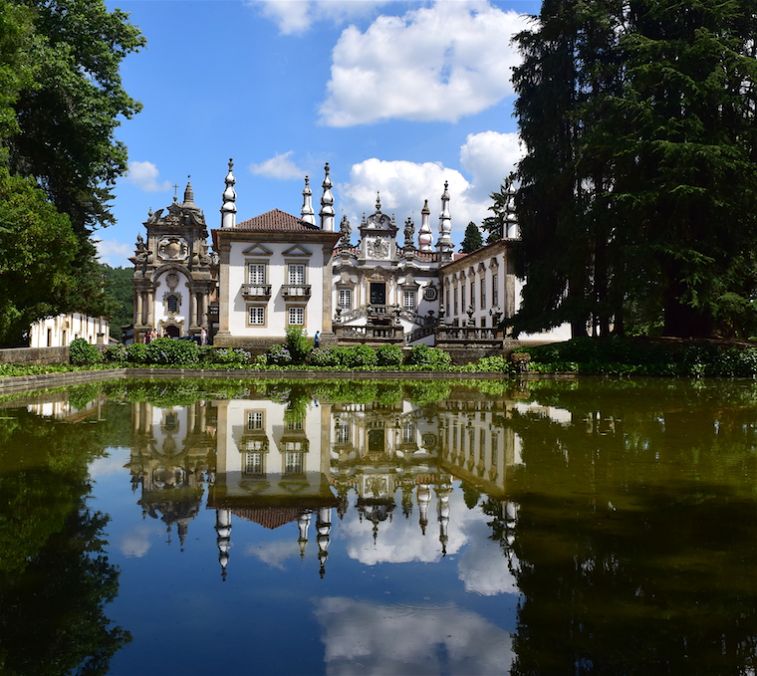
x=274, y=553
x=279, y=166
x=145, y=176
x=136, y=543
x=115, y=254
x=487, y=158
x=106, y=465
x=295, y=17
x=371, y=638
x=434, y=63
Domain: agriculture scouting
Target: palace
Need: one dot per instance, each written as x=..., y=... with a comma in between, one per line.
x=277, y=270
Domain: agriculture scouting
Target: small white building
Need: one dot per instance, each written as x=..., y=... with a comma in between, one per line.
x=61, y=330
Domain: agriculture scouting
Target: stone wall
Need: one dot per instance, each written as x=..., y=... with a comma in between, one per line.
x=34, y=355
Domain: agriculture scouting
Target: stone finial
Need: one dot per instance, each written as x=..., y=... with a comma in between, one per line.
x=424, y=236
x=378, y=202
x=229, y=206
x=307, y=214
x=189, y=195
x=409, y=233
x=327, y=201
x=445, y=223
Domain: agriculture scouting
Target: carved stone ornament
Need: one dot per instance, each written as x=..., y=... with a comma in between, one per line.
x=430, y=293
x=172, y=279
x=378, y=248
x=173, y=249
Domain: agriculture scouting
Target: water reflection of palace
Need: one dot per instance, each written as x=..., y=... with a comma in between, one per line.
x=276, y=463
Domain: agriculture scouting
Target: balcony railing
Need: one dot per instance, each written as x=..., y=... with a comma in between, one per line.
x=295, y=291
x=256, y=291
x=369, y=334
x=468, y=334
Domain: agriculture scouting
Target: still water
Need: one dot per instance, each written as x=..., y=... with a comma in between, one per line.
x=405, y=528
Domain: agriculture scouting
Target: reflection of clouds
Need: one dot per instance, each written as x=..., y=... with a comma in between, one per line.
x=381, y=639
x=274, y=553
x=483, y=566
x=107, y=465
x=136, y=543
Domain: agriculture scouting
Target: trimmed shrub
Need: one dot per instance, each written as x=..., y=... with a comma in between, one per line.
x=172, y=352
x=430, y=358
x=115, y=353
x=356, y=356
x=278, y=355
x=323, y=357
x=389, y=355
x=136, y=353
x=298, y=345
x=81, y=353
x=227, y=355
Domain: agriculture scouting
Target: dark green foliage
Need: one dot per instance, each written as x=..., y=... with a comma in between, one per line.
x=136, y=353
x=172, y=352
x=298, y=344
x=119, y=292
x=430, y=358
x=231, y=356
x=278, y=355
x=115, y=354
x=356, y=356
x=323, y=357
x=624, y=356
x=389, y=355
x=637, y=194
x=472, y=240
x=81, y=353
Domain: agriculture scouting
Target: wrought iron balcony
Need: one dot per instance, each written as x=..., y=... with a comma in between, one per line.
x=295, y=291
x=256, y=291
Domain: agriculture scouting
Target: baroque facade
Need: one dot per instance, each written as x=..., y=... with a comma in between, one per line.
x=277, y=270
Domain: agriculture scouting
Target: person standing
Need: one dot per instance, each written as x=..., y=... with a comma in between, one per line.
x=317, y=339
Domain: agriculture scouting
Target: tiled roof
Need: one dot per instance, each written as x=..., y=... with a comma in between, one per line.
x=276, y=220
x=269, y=517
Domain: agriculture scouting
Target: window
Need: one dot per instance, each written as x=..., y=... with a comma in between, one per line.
x=253, y=464
x=256, y=273
x=408, y=299
x=408, y=433
x=342, y=434
x=345, y=299
x=483, y=294
x=49, y=337
x=456, y=295
x=293, y=463
x=295, y=426
x=462, y=296
x=296, y=316
x=254, y=420
x=256, y=315
x=297, y=274
x=172, y=302
x=495, y=287
x=473, y=295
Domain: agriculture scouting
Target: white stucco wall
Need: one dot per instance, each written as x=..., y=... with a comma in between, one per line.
x=276, y=316
x=65, y=328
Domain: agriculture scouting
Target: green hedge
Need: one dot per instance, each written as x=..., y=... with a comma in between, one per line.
x=172, y=352
x=81, y=353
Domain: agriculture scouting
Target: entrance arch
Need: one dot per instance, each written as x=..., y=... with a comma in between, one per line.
x=172, y=331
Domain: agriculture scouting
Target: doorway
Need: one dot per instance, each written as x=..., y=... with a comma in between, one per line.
x=172, y=331
x=378, y=293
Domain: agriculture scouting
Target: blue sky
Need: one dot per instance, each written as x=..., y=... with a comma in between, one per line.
x=396, y=96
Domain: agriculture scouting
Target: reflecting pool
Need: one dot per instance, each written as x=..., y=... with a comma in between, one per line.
x=398, y=528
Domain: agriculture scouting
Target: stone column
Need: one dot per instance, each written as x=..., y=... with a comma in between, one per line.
x=223, y=281
x=138, y=318
x=328, y=291
x=151, y=307
x=191, y=312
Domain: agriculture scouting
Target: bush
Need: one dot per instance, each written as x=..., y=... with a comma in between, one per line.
x=323, y=357
x=298, y=345
x=278, y=355
x=389, y=355
x=81, y=353
x=115, y=353
x=172, y=352
x=227, y=355
x=356, y=356
x=136, y=353
x=430, y=358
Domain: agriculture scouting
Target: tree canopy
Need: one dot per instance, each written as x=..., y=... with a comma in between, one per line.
x=61, y=99
x=638, y=192
x=472, y=239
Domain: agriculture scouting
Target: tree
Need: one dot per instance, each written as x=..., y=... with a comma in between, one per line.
x=638, y=189
x=472, y=240
x=39, y=247
x=119, y=291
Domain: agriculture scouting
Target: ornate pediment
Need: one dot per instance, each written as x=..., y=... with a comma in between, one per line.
x=297, y=250
x=257, y=249
x=173, y=249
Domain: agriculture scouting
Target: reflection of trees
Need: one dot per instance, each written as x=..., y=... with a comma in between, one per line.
x=55, y=578
x=635, y=534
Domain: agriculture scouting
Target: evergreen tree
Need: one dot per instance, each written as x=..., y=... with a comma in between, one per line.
x=472, y=239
